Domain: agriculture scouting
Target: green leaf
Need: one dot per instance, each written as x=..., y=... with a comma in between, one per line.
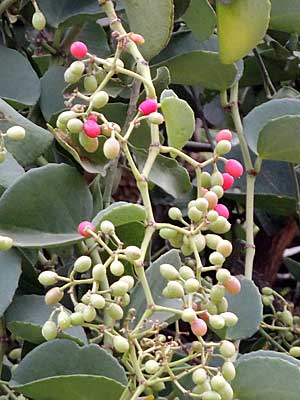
x=293, y=266
x=266, y=377
x=278, y=141
x=131, y=234
x=143, y=16
x=37, y=139
x=10, y=170
x=241, y=26
x=55, y=191
x=285, y=16
x=180, y=7
x=248, y=307
x=93, y=35
x=10, y=272
x=18, y=80
x=27, y=314
x=261, y=115
x=179, y=119
x=200, y=18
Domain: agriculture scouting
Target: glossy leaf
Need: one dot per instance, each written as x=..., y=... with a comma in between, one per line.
x=241, y=26
x=293, y=266
x=285, y=16
x=200, y=18
x=10, y=272
x=10, y=170
x=144, y=16
x=18, y=80
x=27, y=314
x=55, y=191
x=52, y=85
x=37, y=139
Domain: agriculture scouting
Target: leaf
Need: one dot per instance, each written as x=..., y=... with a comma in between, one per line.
x=37, y=139
x=55, y=199
x=10, y=170
x=248, y=307
x=278, y=140
x=241, y=26
x=261, y=115
x=27, y=314
x=143, y=15
x=285, y=16
x=293, y=266
x=266, y=377
x=93, y=35
x=200, y=18
x=18, y=80
x=10, y=272
x=180, y=6
x=179, y=119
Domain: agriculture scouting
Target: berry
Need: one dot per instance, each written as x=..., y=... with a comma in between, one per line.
x=65, y=116
x=48, y=278
x=2, y=155
x=77, y=68
x=15, y=354
x=217, y=179
x=77, y=319
x=133, y=253
x=217, y=293
x=206, y=180
x=89, y=313
x=224, y=247
x=93, y=117
x=167, y=233
x=212, y=199
x=82, y=264
x=117, y=268
x=111, y=60
x=232, y=285
x=191, y=285
x=212, y=216
x=129, y=280
x=6, y=243
x=148, y=106
x=86, y=298
x=107, y=227
x=286, y=317
x=226, y=392
x=89, y=144
x=119, y=288
x=151, y=367
x=38, y=20
x=70, y=77
x=217, y=382
x=115, y=312
x=227, y=349
x=175, y=214
x=228, y=370
x=49, y=330
x=216, y=258
x=230, y=318
x=169, y=272
x=222, y=305
x=200, y=389
x=78, y=49
x=75, y=125
x=199, y=376
x=90, y=83
x=64, y=320
x=194, y=214
x=120, y=344
x=111, y=148
x=222, y=210
x=212, y=241
x=201, y=204
x=186, y=272
x=228, y=181
x=156, y=118
x=218, y=190
x=174, y=290
x=198, y=327
x=83, y=227
x=223, y=147
x=97, y=301
x=295, y=351
x=100, y=99
x=217, y=322
x=234, y=168
x=267, y=291
x=224, y=134
x=53, y=296
x=16, y=133
x=136, y=38
x=211, y=395
x=200, y=242
x=91, y=128
x=188, y=315
x=223, y=275
x=221, y=225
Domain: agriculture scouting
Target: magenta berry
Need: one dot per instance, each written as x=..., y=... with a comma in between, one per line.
x=228, y=181
x=91, y=128
x=148, y=106
x=83, y=227
x=93, y=117
x=224, y=134
x=234, y=168
x=78, y=49
x=222, y=210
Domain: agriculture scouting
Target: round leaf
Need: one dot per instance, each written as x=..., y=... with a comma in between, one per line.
x=10, y=272
x=200, y=18
x=10, y=170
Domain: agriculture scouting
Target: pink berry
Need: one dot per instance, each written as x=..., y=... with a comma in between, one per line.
x=228, y=181
x=138, y=39
x=232, y=285
x=234, y=168
x=148, y=106
x=93, y=117
x=91, y=128
x=83, y=227
x=222, y=210
x=78, y=49
x=199, y=327
x=224, y=134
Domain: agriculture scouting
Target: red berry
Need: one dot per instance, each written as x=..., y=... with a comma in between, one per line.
x=222, y=210
x=199, y=327
x=148, y=106
x=92, y=117
x=83, y=227
x=232, y=285
x=136, y=38
x=228, y=181
x=204, y=315
x=78, y=49
x=234, y=168
x=91, y=128
x=224, y=134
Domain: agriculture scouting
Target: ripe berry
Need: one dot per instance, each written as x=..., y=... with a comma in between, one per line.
x=115, y=312
x=119, y=288
x=100, y=99
x=38, y=20
x=75, y=125
x=232, y=285
x=222, y=210
x=227, y=349
x=91, y=128
x=151, y=367
x=199, y=376
x=107, y=227
x=64, y=320
x=228, y=370
x=212, y=199
x=117, y=268
x=136, y=38
x=132, y=253
x=82, y=264
x=6, y=243
x=198, y=327
x=90, y=83
x=224, y=134
x=120, y=344
x=156, y=118
x=83, y=227
x=148, y=106
x=49, y=330
x=169, y=272
x=224, y=247
x=48, y=278
x=223, y=147
x=234, y=168
x=78, y=49
x=188, y=315
x=53, y=296
x=93, y=117
x=16, y=133
x=111, y=148
x=228, y=181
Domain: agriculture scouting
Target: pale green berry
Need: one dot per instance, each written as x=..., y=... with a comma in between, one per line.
x=82, y=264
x=107, y=227
x=167, y=233
x=70, y=77
x=230, y=318
x=200, y=242
x=217, y=179
x=217, y=293
x=221, y=225
x=89, y=144
x=48, y=278
x=186, y=272
x=228, y=370
x=267, y=291
x=222, y=305
x=197, y=347
x=175, y=290
x=186, y=250
x=125, y=300
x=191, y=285
x=120, y=344
x=85, y=299
x=286, y=317
x=212, y=241
x=79, y=307
x=119, y=288
x=111, y=148
x=100, y=74
x=75, y=125
x=194, y=214
x=129, y=280
x=53, y=296
x=117, y=268
x=223, y=275
x=224, y=247
x=90, y=83
x=295, y=351
x=216, y=322
x=211, y=308
x=218, y=190
x=211, y=395
x=227, y=349
x=99, y=272
x=177, y=241
x=212, y=216
x=16, y=133
x=175, y=214
x=49, y=330
x=223, y=147
x=151, y=367
x=6, y=243
x=97, y=301
x=77, y=319
x=201, y=204
x=15, y=354
x=77, y=67
x=158, y=387
x=199, y=376
x=65, y=116
x=89, y=313
x=217, y=382
x=100, y=99
x=156, y=118
x=205, y=180
x=216, y=258
x=226, y=392
x=115, y=312
x=169, y=272
x=64, y=320
x=188, y=315
x=2, y=155
x=38, y=20
x=133, y=253
x=200, y=389
x=267, y=300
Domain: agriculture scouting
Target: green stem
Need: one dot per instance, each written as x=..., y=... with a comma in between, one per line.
x=271, y=340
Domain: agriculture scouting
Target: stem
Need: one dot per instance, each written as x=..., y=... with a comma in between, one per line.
x=271, y=340
x=2, y=342
x=268, y=84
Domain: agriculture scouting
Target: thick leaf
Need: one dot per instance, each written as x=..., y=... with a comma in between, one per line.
x=285, y=16
x=52, y=85
x=266, y=377
x=55, y=199
x=93, y=35
x=180, y=6
x=179, y=119
x=200, y=18
x=268, y=353
x=293, y=266
x=10, y=271
x=10, y=170
x=18, y=81
x=27, y=314
x=241, y=26
x=37, y=139
x=248, y=307
x=261, y=115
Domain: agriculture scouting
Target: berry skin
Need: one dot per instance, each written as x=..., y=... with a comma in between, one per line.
x=6, y=243
x=188, y=315
x=82, y=264
x=234, y=168
x=48, y=278
x=169, y=272
x=156, y=118
x=99, y=272
x=107, y=227
x=232, y=285
x=16, y=133
x=222, y=210
x=223, y=275
x=148, y=106
x=64, y=320
x=227, y=349
x=75, y=125
x=136, y=38
x=199, y=376
x=78, y=49
x=175, y=214
x=151, y=367
x=91, y=128
x=224, y=134
x=228, y=371
x=295, y=351
x=115, y=312
x=49, y=330
x=228, y=181
x=100, y=99
x=111, y=148
x=53, y=296
x=38, y=20
x=198, y=327
x=117, y=268
x=83, y=227
x=120, y=344
x=223, y=147
x=132, y=253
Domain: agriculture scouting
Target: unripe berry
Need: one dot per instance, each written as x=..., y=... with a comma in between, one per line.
x=133, y=253
x=111, y=148
x=224, y=247
x=186, y=272
x=78, y=49
x=212, y=241
x=200, y=389
x=49, y=330
x=79, y=307
x=228, y=181
x=234, y=168
x=223, y=275
x=156, y=118
x=217, y=322
x=188, y=315
x=198, y=327
x=53, y=296
x=82, y=264
x=211, y=308
x=65, y=116
x=97, y=301
x=230, y=318
x=86, y=298
x=89, y=313
x=100, y=74
x=167, y=233
x=38, y=20
x=267, y=291
x=212, y=216
x=75, y=125
x=212, y=199
x=201, y=204
x=129, y=280
x=186, y=250
x=194, y=214
x=77, y=67
x=100, y=99
x=267, y=300
x=295, y=351
x=115, y=312
x=16, y=133
x=177, y=241
x=48, y=278
x=70, y=77
x=222, y=305
x=206, y=180
x=222, y=210
x=228, y=371
x=221, y=225
x=6, y=243
x=226, y=392
x=211, y=395
x=148, y=106
x=107, y=227
x=286, y=317
x=151, y=367
x=119, y=288
x=77, y=319
x=217, y=179
x=191, y=285
x=89, y=144
x=217, y=382
x=217, y=293
x=64, y=320
x=232, y=285
x=125, y=300
x=174, y=290
x=224, y=134
x=2, y=155
x=99, y=272
x=227, y=349
x=175, y=214
x=216, y=258
x=117, y=268
x=223, y=147
x=218, y=190
x=90, y=83
x=199, y=376
x=120, y=344
x=91, y=128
